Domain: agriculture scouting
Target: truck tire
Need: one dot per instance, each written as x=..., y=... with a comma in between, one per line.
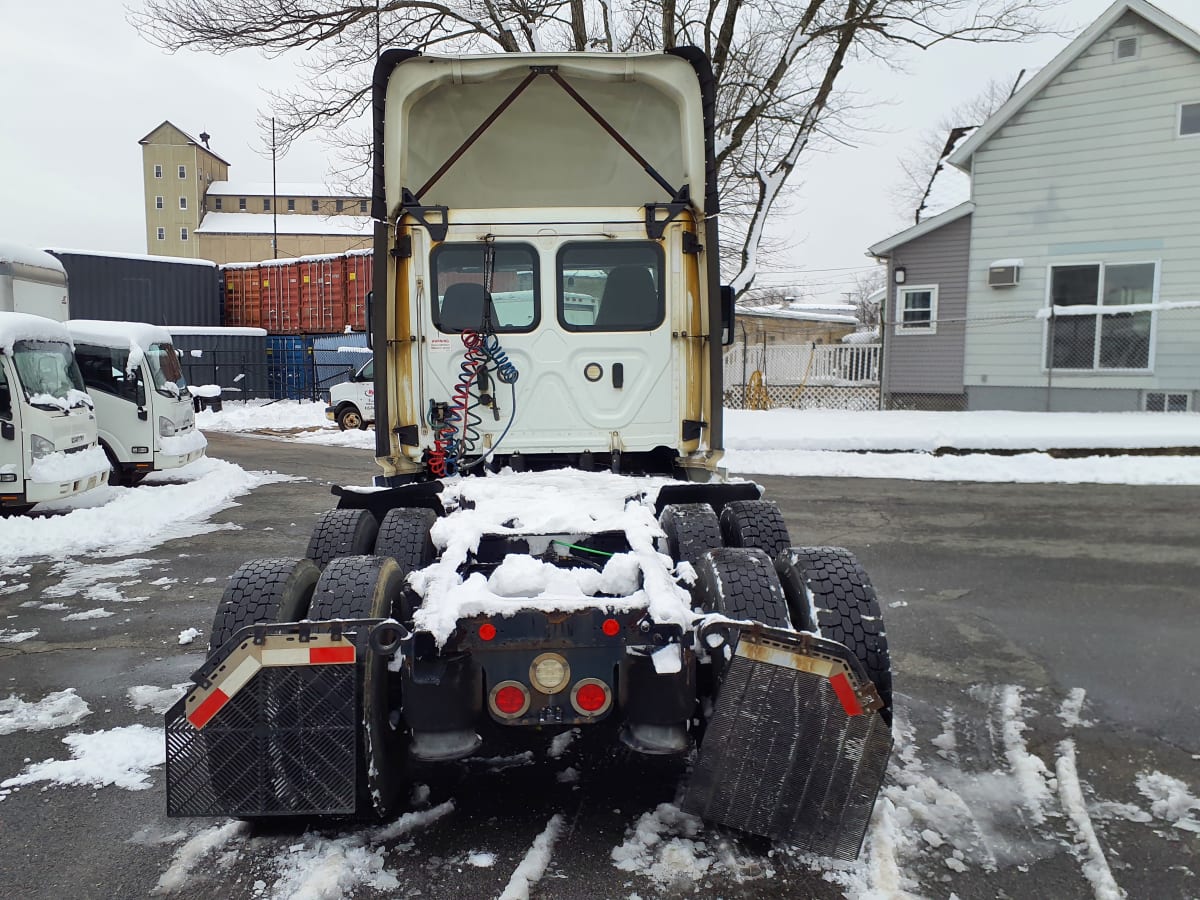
x=755, y=523
x=830, y=581
x=342, y=532
x=404, y=536
x=369, y=587
x=692, y=529
x=740, y=582
x=350, y=419
x=263, y=590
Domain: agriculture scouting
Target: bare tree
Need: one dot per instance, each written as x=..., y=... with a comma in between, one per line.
x=925, y=160
x=863, y=295
x=778, y=64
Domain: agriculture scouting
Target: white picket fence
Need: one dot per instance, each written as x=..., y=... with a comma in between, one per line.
x=806, y=376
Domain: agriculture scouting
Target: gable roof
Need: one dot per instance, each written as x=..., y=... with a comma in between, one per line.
x=961, y=157
x=887, y=245
x=191, y=140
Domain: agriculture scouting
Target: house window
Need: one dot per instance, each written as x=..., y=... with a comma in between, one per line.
x=339, y=205
x=162, y=234
x=1102, y=336
x=183, y=171
x=1161, y=401
x=1189, y=119
x=242, y=203
x=291, y=204
x=316, y=205
x=158, y=202
x=183, y=234
x=1125, y=48
x=362, y=206
x=183, y=202
x=158, y=171
x=916, y=309
x=217, y=203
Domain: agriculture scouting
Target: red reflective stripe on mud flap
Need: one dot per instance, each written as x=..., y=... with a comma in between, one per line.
x=209, y=708
x=845, y=693
x=319, y=656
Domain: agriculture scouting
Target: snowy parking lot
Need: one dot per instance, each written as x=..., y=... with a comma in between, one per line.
x=1046, y=734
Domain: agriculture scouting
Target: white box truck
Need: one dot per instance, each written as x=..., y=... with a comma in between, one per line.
x=143, y=408
x=352, y=403
x=48, y=448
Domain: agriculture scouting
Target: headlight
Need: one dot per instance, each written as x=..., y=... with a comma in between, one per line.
x=39, y=446
x=166, y=427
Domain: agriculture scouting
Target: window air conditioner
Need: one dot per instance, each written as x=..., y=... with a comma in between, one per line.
x=1004, y=273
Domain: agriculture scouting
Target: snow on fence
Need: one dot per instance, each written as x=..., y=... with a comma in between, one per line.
x=804, y=376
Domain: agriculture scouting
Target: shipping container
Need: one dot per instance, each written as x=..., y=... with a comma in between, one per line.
x=290, y=371
x=322, y=293
x=118, y=287
x=280, y=297
x=234, y=358
x=360, y=270
x=243, y=296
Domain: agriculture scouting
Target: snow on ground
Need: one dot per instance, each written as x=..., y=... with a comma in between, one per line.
x=12, y=636
x=157, y=700
x=114, y=521
x=200, y=845
x=298, y=420
x=120, y=756
x=1170, y=799
x=188, y=635
x=535, y=863
x=1094, y=864
x=1071, y=708
x=56, y=710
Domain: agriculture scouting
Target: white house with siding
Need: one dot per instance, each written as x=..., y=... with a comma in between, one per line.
x=1082, y=273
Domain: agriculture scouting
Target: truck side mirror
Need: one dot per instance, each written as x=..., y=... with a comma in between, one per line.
x=726, y=315
x=140, y=397
x=8, y=431
x=370, y=319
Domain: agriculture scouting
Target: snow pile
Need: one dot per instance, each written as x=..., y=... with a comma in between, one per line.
x=208, y=391
x=663, y=847
x=133, y=519
x=56, y=468
x=157, y=700
x=1170, y=799
x=188, y=635
x=120, y=756
x=182, y=444
x=12, y=636
x=556, y=502
x=15, y=326
x=56, y=710
x=253, y=415
x=481, y=859
x=1070, y=793
x=560, y=742
x=71, y=400
x=535, y=863
x=1031, y=772
x=200, y=845
x=99, y=613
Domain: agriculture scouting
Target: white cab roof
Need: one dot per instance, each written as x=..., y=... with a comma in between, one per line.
x=134, y=335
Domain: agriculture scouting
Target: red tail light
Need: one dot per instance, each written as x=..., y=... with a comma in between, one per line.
x=487, y=631
x=611, y=627
x=509, y=700
x=591, y=697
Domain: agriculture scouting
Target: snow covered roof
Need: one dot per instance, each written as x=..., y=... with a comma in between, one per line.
x=886, y=246
x=16, y=326
x=191, y=140
x=18, y=254
x=949, y=186
x=862, y=337
x=265, y=223
x=838, y=313
x=1172, y=26
x=280, y=189
x=145, y=257
x=134, y=335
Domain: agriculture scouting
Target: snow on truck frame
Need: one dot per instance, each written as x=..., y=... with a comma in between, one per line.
x=552, y=543
x=48, y=445
x=143, y=408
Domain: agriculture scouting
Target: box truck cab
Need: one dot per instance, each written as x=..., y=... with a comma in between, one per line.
x=143, y=408
x=352, y=403
x=48, y=447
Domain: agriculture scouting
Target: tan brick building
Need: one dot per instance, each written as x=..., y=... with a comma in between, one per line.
x=194, y=210
x=795, y=323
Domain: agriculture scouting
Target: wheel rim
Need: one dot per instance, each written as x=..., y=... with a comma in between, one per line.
x=351, y=420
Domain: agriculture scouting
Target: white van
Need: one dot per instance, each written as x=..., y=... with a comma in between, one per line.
x=143, y=408
x=352, y=403
x=48, y=447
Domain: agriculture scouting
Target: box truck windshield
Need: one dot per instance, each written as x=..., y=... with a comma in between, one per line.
x=48, y=374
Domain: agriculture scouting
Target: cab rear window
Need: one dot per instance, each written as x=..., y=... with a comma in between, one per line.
x=609, y=286
x=461, y=275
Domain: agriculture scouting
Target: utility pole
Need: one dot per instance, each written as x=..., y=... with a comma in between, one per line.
x=274, y=198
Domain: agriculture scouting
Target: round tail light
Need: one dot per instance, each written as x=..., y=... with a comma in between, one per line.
x=591, y=697
x=509, y=700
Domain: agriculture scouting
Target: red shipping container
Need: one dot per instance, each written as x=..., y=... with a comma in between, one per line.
x=242, y=296
x=322, y=294
x=360, y=270
x=280, y=297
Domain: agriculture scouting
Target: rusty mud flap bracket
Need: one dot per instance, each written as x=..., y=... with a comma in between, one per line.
x=273, y=724
x=795, y=749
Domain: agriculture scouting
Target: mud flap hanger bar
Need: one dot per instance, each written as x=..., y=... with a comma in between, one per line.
x=410, y=202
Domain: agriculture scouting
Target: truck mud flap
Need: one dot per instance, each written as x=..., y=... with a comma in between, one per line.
x=270, y=729
x=795, y=749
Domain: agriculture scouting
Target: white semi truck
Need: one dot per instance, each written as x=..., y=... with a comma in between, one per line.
x=143, y=408
x=551, y=543
x=48, y=448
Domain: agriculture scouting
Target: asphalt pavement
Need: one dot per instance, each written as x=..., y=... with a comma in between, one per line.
x=989, y=592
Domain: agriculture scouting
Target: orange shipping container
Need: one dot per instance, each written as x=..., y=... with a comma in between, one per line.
x=360, y=268
x=322, y=294
x=280, y=298
x=243, y=290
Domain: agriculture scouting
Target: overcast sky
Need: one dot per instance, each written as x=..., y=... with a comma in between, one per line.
x=80, y=87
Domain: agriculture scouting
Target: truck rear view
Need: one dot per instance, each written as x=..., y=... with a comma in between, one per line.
x=552, y=543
